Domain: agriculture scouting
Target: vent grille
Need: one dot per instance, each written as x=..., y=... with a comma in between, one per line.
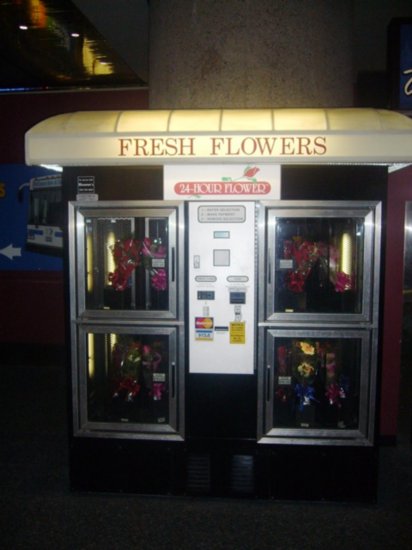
x=242, y=474
x=198, y=473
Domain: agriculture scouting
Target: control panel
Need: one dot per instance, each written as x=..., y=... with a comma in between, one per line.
x=222, y=261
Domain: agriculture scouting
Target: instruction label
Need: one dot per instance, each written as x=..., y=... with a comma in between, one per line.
x=237, y=332
x=221, y=214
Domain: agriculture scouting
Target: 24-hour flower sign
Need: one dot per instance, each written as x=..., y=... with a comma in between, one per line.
x=194, y=182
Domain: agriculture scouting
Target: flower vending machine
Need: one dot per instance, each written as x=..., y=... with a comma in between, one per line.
x=319, y=323
x=127, y=319
x=211, y=339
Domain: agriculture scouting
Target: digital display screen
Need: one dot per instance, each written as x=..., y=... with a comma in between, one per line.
x=205, y=295
x=238, y=297
x=221, y=234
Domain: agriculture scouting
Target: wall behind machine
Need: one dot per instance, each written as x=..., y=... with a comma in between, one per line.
x=249, y=54
x=31, y=285
x=20, y=112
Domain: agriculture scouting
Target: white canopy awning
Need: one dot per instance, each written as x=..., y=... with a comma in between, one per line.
x=282, y=136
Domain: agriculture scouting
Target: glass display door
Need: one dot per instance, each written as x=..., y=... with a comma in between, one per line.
x=127, y=379
x=126, y=261
x=320, y=261
x=126, y=269
x=317, y=384
x=318, y=322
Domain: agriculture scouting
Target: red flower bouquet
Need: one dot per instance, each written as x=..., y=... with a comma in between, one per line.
x=305, y=254
x=130, y=253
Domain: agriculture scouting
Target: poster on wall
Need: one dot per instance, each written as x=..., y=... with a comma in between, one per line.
x=222, y=182
x=400, y=63
x=17, y=224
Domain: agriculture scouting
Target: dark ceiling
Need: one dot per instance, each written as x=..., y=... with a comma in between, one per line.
x=48, y=45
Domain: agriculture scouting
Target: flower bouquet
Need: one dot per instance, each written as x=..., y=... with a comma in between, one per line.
x=135, y=371
x=129, y=254
x=310, y=387
x=305, y=255
x=305, y=369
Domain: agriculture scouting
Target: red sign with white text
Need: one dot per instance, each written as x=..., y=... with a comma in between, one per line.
x=222, y=188
x=223, y=181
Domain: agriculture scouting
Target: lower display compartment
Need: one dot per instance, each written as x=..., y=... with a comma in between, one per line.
x=225, y=469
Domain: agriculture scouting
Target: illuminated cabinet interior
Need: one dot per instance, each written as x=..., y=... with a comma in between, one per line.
x=318, y=323
x=128, y=339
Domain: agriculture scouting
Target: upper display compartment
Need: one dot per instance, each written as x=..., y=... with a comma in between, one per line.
x=125, y=258
x=319, y=261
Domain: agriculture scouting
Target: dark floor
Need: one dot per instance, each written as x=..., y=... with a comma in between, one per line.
x=38, y=511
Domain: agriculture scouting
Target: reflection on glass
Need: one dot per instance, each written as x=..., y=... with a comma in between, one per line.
x=130, y=379
x=319, y=267
x=316, y=383
x=127, y=263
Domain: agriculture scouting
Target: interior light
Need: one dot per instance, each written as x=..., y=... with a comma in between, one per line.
x=110, y=265
x=23, y=27
x=74, y=35
x=346, y=254
x=113, y=339
x=89, y=262
x=90, y=355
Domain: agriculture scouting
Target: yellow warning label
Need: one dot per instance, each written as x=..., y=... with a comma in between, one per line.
x=238, y=333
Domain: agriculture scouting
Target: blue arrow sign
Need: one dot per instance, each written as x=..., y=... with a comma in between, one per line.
x=13, y=221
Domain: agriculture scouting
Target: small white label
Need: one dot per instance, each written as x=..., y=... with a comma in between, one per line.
x=90, y=197
x=284, y=380
x=222, y=214
x=285, y=264
x=158, y=262
x=237, y=279
x=205, y=278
